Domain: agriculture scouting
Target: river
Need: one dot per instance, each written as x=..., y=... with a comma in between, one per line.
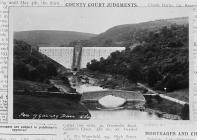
x=122, y=114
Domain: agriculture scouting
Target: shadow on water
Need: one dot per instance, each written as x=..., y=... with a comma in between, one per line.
x=126, y=112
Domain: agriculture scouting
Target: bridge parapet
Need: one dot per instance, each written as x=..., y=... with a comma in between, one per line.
x=128, y=95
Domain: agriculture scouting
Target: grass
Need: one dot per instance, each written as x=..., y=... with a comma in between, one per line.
x=182, y=94
x=163, y=105
x=37, y=107
x=24, y=84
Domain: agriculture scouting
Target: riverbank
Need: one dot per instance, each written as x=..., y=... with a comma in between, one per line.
x=109, y=81
x=34, y=100
x=38, y=107
x=182, y=94
x=164, y=95
x=162, y=107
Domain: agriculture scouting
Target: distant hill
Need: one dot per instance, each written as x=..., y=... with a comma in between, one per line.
x=121, y=35
x=50, y=37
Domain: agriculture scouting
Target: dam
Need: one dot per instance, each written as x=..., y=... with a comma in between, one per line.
x=77, y=57
x=62, y=55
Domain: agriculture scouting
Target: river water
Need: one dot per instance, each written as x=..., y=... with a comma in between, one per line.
x=122, y=114
x=114, y=114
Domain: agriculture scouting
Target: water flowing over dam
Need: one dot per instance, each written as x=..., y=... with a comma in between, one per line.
x=77, y=57
x=62, y=55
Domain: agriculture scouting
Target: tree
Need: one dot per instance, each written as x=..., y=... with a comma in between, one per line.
x=94, y=65
x=51, y=70
x=185, y=112
x=34, y=61
x=43, y=70
x=135, y=71
x=174, y=82
x=153, y=76
x=35, y=75
x=20, y=71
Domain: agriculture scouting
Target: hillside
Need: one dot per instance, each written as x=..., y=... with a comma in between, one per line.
x=50, y=37
x=121, y=35
x=124, y=35
x=32, y=72
x=31, y=65
x=161, y=60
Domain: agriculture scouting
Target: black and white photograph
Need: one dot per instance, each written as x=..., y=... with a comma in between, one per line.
x=100, y=63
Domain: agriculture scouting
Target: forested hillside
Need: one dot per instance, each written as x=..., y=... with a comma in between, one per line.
x=129, y=34
x=161, y=59
x=31, y=65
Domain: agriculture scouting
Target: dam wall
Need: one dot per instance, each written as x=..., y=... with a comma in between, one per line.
x=62, y=55
x=69, y=57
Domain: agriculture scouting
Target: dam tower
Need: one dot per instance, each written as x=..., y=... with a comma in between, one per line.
x=77, y=53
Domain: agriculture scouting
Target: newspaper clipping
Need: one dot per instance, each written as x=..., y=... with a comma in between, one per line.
x=98, y=70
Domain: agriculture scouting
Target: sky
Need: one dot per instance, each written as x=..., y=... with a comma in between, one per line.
x=89, y=20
